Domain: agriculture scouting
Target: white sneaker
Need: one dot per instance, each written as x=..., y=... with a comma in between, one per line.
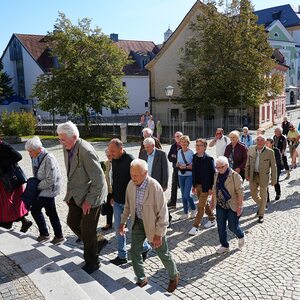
x=193, y=213
x=209, y=224
x=194, y=231
x=241, y=242
x=222, y=250
x=184, y=217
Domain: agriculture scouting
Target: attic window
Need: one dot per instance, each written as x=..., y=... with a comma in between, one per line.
x=276, y=34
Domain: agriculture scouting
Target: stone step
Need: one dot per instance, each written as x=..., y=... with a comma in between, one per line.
x=51, y=280
x=117, y=282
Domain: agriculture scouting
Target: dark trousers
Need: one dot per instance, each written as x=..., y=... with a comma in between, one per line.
x=224, y=215
x=285, y=162
x=38, y=216
x=85, y=227
x=174, y=188
x=109, y=216
x=276, y=186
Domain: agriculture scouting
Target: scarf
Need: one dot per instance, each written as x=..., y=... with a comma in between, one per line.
x=221, y=185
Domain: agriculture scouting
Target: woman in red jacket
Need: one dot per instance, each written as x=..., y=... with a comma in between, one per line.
x=12, y=209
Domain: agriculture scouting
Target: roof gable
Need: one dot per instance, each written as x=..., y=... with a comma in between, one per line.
x=283, y=34
x=284, y=13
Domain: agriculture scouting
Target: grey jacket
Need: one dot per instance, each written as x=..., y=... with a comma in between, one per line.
x=160, y=169
x=49, y=176
x=86, y=179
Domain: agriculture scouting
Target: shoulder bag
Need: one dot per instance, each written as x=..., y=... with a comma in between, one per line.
x=13, y=178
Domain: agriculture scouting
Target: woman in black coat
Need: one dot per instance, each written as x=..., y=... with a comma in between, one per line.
x=12, y=209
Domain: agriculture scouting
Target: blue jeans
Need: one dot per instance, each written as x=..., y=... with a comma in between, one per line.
x=233, y=224
x=49, y=205
x=121, y=239
x=186, y=183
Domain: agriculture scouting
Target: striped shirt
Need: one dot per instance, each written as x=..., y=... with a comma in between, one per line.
x=139, y=198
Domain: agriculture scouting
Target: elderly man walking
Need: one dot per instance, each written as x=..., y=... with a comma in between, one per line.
x=146, y=204
x=86, y=190
x=259, y=162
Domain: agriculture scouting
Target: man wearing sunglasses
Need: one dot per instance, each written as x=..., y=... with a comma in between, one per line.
x=220, y=141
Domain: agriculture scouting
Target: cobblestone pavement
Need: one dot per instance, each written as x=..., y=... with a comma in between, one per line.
x=14, y=284
x=268, y=267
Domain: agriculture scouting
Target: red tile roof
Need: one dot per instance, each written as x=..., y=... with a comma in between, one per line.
x=38, y=48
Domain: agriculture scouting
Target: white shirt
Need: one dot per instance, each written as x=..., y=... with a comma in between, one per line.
x=221, y=145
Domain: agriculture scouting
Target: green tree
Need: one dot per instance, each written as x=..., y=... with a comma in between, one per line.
x=226, y=61
x=6, y=89
x=88, y=74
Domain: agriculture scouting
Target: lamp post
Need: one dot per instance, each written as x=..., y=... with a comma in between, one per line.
x=169, y=93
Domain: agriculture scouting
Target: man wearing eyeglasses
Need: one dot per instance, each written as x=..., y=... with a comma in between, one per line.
x=260, y=161
x=220, y=141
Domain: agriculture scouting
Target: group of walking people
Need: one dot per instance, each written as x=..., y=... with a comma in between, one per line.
x=134, y=187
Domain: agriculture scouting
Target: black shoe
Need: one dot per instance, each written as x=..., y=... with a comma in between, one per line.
x=91, y=269
x=260, y=220
x=106, y=227
x=101, y=245
x=119, y=261
x=171, y=205
x=277, y=197
x=145, y=254
x=78, y=240
x=26, y=226
x=142, y=283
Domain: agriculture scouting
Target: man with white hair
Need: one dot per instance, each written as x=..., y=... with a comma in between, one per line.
x=86, y=191
x=147, y=132
x=157, y=162
x=146, y=204
x=45, y=169
x=260, y=161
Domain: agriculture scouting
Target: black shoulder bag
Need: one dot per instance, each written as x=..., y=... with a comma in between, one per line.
x=13, y=178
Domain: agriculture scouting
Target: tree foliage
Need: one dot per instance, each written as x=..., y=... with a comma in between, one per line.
x=6, y=89
x=226, y=61
x=88, y=71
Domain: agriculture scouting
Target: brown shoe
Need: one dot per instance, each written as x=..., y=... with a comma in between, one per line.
x=142, y=283
x=173, y=284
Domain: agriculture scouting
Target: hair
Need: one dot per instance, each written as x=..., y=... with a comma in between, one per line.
x=245, y=128
x=149, y=141
x=270, y=140
x=179, y=132
x=184, y=138
x=69, y=128
x=139, y=162
x=222, y=160
x=33, y=144
x=261, y=136
x=234, y=133
x=278, y=128
x=117, y=142
x=220, y=129
x=148, y=130
x=203, y=141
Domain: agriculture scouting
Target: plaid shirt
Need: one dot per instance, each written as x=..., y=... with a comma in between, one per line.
x=139, y=198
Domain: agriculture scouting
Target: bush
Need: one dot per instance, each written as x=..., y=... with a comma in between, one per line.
x=18, y=124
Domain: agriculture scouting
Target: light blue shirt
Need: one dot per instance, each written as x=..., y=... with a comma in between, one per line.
x=189, y=158
x=150, y=162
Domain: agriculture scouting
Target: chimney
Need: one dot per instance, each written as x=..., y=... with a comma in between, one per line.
x=114, y=37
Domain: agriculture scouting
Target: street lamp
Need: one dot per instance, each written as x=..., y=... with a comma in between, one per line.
x=169, y=93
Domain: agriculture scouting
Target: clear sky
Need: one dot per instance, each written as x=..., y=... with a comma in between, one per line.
x=131, y=19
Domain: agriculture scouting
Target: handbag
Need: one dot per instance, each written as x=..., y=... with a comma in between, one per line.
x=13, y=178
x=31, y=192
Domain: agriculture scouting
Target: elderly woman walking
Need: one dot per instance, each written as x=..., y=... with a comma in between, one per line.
x=45, y=168
x=227, y=197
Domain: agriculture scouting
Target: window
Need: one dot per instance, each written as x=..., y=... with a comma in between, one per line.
x=268, y=112
x=124, y=83
x=276, y=34
x=146, y=104
x=114, y=111
x=263, y=114
x=191, y=115
x=175, y=114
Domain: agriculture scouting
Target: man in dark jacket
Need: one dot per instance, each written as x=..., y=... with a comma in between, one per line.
x=172, y=157
x=285, y=126
x=270, y=144
x=203, y=172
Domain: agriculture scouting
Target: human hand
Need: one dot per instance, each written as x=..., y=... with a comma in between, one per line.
x=122, y=230
x=111, y=202
x=157, y=241
x=239, y=211
x=86, y=207
x=247, y=178
x=238, y=170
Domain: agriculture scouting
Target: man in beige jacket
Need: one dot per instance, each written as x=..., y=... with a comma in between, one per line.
x=259, y=163
x=146, y=204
